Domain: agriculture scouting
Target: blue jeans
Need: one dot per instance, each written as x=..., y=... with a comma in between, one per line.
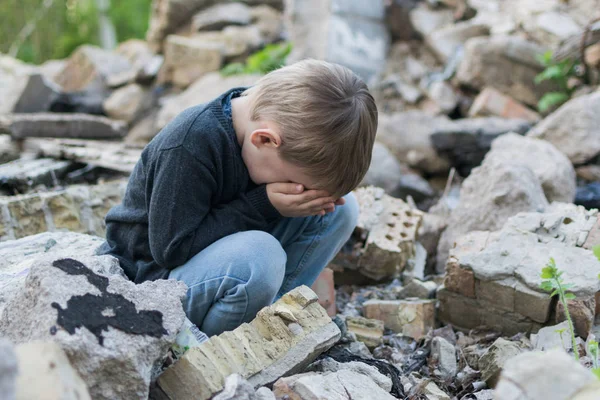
x=233, y=278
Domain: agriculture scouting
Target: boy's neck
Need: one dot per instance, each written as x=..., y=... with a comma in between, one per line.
x=240, y=114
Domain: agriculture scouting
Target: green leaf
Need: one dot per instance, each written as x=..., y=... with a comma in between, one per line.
x=553, y=72
x=545, y=58
x=554, y=293
x=548, y=272
x=596, y=250
x=547, y=286
x=596, y=372
x=570, y=296
x=233, y=69
x=552, y=99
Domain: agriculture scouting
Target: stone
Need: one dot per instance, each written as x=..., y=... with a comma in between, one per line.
x=219, y=16
x=264, y=393
x=412, y=317
x=187, y=60
x=325, y=290
x=89, y=67
x=233, y=41
x=202, y=91
x=384, y=239
x=330, y=365
x=82, y=102
x=127, y=103
x=168, y=16
x=443, y=357
x=37, y=96
x=385, y=170
x=573, y=128
x=445, y=42
x=397, y=18
x=342, y=385
x=283, y=339
x=494, y=359
x=368, y=331
x=443, y=95
x=588, y=392
x=235, y=388
x=553, y=169
x=346, y=32
x=582, y=313
x=465, y=142
x=45, y=372
x=552, y=337
x=269, y=22
x=506, y=63
x=143, y=131
x=551, y=374
x=408, y=134
x=429, y=234
x=23, y=174
x=493, y=192
x=93, y=315
x=9, y=369
x=14, y=75
x=431, y=391
x=588, y=195
x=494, y=277
x=492, y=103
x=9, y=150
x=426, y=20
x=21, y=126
x=589, y=173
x=418, y=289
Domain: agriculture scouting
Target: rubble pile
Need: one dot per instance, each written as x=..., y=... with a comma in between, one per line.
x=473, y=189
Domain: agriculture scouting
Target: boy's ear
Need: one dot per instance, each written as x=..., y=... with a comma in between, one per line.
x=265, y=137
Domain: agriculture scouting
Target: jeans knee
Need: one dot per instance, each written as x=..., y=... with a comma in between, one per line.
x=346, y=216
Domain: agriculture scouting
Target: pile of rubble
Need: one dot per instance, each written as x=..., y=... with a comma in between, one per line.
x=437, y=294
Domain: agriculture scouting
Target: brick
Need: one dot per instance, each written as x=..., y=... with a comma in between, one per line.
x=491, y=102
x=499, y=293
x=282, y=339
x=368, y=331
x=325, y=290
x=459, y=280
x=412, y=317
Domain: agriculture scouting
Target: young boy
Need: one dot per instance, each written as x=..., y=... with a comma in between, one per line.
x=241, y=198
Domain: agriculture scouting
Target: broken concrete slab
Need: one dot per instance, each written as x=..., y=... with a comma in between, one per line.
x=115, y=156
x=219, y=16
x=499, y=285
x=93, y=315
x=330, y=365
x=9, y=369
x=491, y=102
x=24, y=173
x=341, y=385
x=346, y=32
x=493, y=192
x=579, y=145
x=384, y=239
x=21, y=126
x=281, y=340
x=412, y=317
x=187, y=60
x=551, y=374
x=368, y=331
x=46, y=373
x=506, y=63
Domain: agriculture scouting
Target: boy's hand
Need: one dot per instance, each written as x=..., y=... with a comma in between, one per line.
x=291, y=200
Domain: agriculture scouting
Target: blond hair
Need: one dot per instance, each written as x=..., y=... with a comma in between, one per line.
x=327, y=118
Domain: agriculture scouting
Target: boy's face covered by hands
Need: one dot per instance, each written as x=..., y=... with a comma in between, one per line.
x=290, y=190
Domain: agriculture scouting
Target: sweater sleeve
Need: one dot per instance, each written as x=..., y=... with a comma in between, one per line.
x=182, y=218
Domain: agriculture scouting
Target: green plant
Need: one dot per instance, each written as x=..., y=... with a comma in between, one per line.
x=558, y=72
x=593, y=351
x=271, y=57
x=554, y=283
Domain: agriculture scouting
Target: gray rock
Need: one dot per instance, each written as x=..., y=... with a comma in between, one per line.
x=46, y=373
x=426, y=20
x=236, y=388
x=9, y=151
x=348, y=32
x=385, y=170
x=85, y=126
x=84, y=102
x=443, y=95
x=494, y=359
x=330, y=365
x=358, y=349
x=407, y=135
x=188, y=59
x=506, y=63
x=397, y=18
x=113, y=331
x=9, y=369
x=465, y=142
x=548, y=163
x=445, y=42
x=418, y=289
x=443, y=356
x=492, y=193
x=573, y=128
x=264, y=393
x=13, y=79
x=128, y=102
x=551, y=375
x=23, y=173
x=552, y=337
x=219, y=16
x=37, y=96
